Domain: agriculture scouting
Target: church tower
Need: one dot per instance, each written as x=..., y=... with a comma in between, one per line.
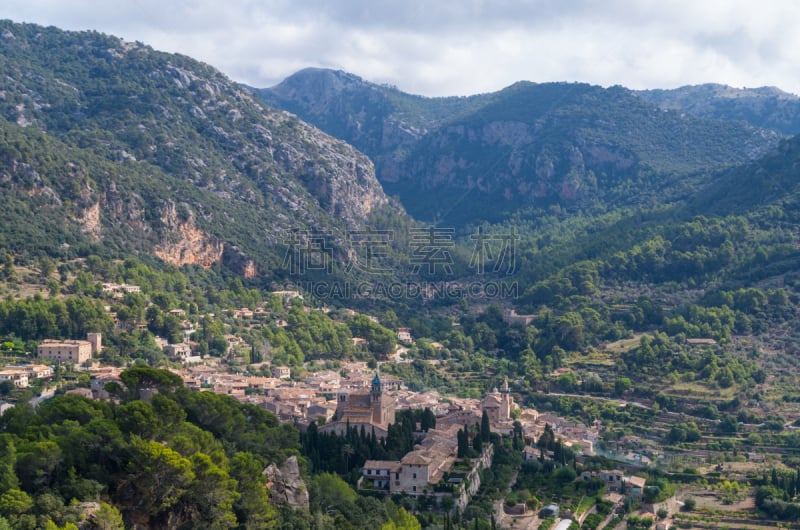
x=382, y=406
x=506, y=401
x=377, y=388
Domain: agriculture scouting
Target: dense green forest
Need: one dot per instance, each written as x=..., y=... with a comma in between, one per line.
x=180, y=458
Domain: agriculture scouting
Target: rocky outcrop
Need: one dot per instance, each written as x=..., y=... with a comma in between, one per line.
x=126, y=209
x=340, y=179
x=286, y=485
x=237, y=261
x=90, y=221
x=184, y=243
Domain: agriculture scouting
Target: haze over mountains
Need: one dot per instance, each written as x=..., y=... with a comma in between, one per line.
x=571, y=144
x=767, y=107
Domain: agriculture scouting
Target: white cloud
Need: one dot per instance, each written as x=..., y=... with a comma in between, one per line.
x=460, y=46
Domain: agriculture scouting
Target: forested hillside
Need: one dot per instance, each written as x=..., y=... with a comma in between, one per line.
x=610, y=262
x=113, y=148
x=181, y=458
x=461, y=160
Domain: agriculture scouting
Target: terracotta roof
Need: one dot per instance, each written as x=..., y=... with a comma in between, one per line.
x=415, y=459
x=391, y=465
x=637, y=481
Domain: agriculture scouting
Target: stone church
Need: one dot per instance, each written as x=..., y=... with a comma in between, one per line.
x=498, y=405
x=374, y=410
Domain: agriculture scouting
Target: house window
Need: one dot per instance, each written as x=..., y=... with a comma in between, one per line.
x=413, y=488
x=414, y=475
x=369, y=472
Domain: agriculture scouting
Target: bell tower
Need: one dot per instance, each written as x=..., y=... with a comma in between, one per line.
x=377, y=388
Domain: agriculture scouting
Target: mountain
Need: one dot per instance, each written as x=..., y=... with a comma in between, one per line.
x=460, y=160
x=113, y=148
x=739, y=228
x=765, y=107
x=772, y=181
x=380, y=120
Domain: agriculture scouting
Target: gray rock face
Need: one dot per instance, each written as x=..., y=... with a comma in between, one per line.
x=286, y=485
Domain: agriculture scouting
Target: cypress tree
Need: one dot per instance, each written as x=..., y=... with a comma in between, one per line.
x=485, y=427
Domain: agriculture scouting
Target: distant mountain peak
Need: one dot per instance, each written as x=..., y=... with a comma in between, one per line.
x=766, y=107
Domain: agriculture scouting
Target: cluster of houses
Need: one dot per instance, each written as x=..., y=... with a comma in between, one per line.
x=357, y=396
x=119, y=290
x=336, y=401
x=77, y=352
x=21, y=375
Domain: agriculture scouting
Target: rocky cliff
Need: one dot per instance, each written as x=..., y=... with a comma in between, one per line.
x=183, y=243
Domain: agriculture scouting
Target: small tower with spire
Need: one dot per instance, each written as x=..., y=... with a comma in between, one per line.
x=506, y=401
x=381, y=404
x=377, y=387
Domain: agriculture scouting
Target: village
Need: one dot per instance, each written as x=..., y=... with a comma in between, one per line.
x=355, y=395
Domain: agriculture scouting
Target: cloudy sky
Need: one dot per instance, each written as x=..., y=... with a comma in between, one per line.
x=460, y=47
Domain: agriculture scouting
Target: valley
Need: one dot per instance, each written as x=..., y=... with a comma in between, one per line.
x=333, y=304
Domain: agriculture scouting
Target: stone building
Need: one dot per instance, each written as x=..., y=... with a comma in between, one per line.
x=281, y=372
x=374, y=410
x=18, y=376
x=498, y=405
x=74, y=351
x=179, y=351
x=422, y=472
x=96, y=340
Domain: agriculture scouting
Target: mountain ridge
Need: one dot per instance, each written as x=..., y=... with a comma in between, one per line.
x=569, y=144
x=766, y=107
